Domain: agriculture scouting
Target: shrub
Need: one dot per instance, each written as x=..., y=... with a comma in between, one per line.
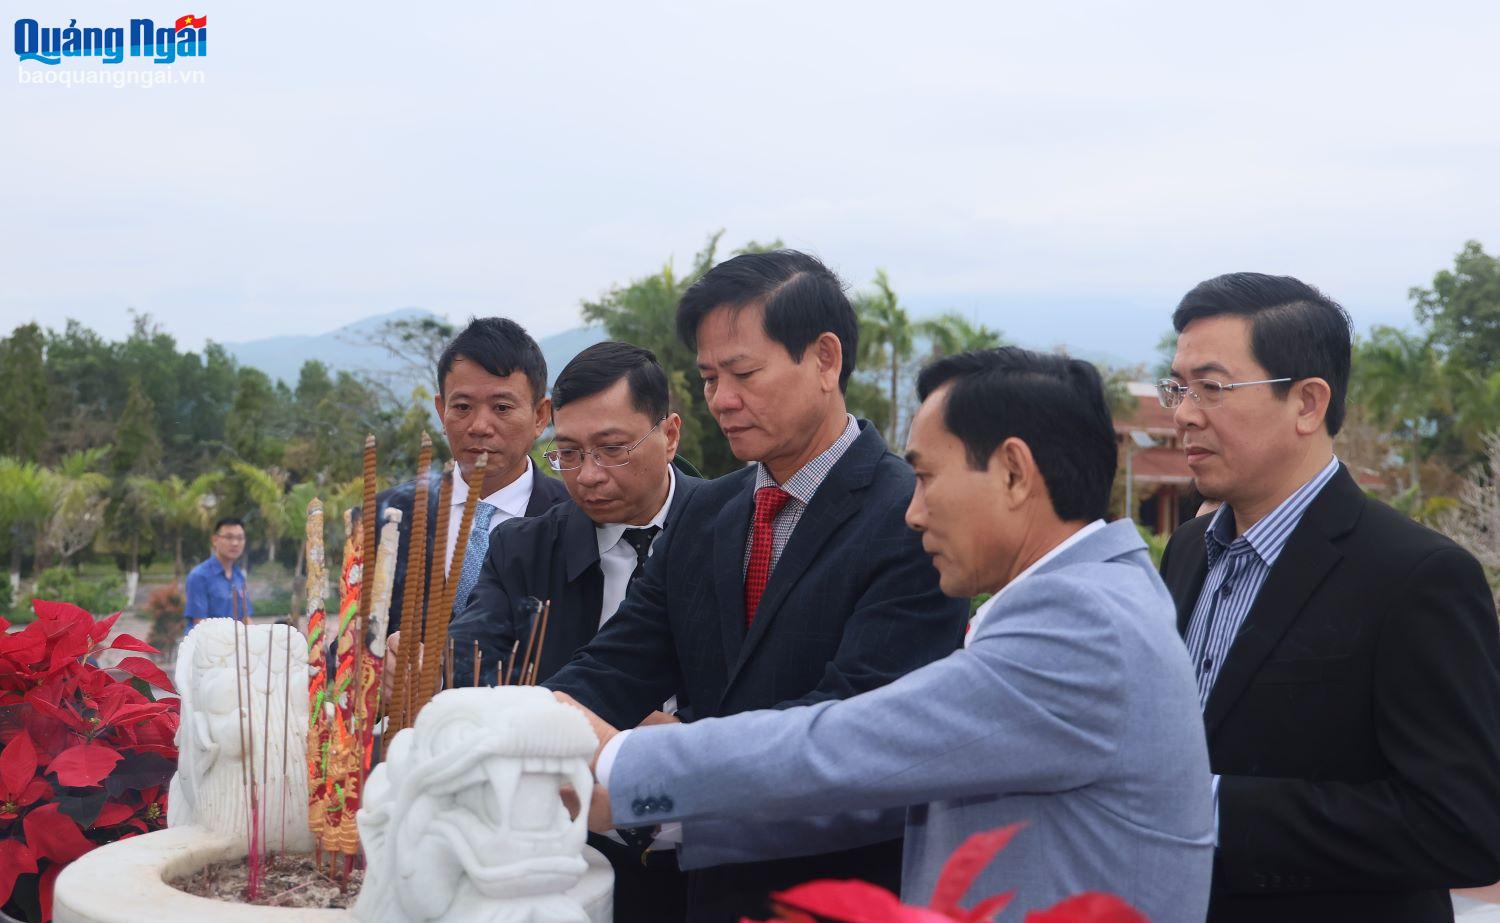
x=93, y=595
x=164, y=607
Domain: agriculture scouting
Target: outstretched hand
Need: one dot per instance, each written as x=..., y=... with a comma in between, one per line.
x=601, y=728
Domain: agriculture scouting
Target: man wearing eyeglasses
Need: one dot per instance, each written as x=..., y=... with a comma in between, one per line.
x=216, y=588
x=614, y=441
x=1348, y=659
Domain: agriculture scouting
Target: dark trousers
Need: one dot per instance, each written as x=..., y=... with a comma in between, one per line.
x=649, y=891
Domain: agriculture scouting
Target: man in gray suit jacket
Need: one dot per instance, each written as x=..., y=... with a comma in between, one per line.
x=1071, y=708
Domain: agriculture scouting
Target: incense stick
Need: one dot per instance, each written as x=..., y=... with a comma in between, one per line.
x=422, y=678
x=476, y=661
x=414, y=596
x=240, y=722
x=510, y=665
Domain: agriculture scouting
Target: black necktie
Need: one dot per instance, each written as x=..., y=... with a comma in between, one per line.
x=640, y=540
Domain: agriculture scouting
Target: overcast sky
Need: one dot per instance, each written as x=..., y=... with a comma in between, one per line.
x=1062, y=172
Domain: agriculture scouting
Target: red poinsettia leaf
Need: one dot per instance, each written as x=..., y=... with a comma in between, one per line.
x=113, y=813
x=1092, y=907
x=967, y=861
x=986, y=910
x=100, y=629
x=25, y=647
x=141, y=668
x=17, y=765
x=84, y=765
x=15, y=860
x=853, y=902
x=47, y=611
x=36, y=790
x=131, y=643
x=127, y=715
x=53, y=835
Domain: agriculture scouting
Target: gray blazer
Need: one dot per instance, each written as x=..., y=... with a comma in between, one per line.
x=1073, y=710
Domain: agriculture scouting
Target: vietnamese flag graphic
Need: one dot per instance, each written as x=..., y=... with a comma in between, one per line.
x=192, y=22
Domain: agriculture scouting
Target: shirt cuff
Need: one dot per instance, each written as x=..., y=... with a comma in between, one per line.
x=1217, y=778
x=606, y=761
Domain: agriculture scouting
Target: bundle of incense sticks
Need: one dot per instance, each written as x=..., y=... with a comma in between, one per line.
x=536, y=639
x=439, y=607
x=413, y=597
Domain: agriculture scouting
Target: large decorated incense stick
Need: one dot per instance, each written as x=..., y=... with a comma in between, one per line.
x=435, y=633
x=415, y=597
x=366, y=589
x=319, y=720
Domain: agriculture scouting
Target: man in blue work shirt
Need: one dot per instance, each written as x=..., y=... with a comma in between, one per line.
x=216, y=588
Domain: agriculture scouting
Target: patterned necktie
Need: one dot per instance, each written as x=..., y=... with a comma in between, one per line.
x=640, y=540
x=479, y=545
x=768, y=502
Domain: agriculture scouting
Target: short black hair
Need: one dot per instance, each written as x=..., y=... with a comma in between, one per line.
x=597, y=369
x=502, y=347
x=1296, y=331
x=803, y=299
x=1054, y=404
x=227, y=521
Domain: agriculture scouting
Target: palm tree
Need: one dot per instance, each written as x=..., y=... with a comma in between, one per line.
x=1399, y=380
x=266, y=488
x=25, y=505
x=885, y=339
x=80, y=498
x=180, y=506
x=952, y=333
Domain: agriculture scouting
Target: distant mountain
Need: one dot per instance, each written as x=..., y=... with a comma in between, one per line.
x=352, y=348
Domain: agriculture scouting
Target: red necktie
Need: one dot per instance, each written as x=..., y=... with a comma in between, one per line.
x=768, y=502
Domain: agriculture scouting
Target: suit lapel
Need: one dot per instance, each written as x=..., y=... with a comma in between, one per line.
x=836, y=499
x=1190, y=566
x=731, y=528
x=1307, y=557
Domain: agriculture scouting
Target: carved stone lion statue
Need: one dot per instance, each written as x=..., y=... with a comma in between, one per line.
x=242, y=723
x=463, y=820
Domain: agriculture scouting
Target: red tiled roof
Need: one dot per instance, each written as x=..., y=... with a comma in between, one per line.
x=1160, y=465
x=1149, y=417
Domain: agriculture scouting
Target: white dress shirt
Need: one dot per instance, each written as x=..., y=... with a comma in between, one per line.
x=510, y=502
x=617, y=557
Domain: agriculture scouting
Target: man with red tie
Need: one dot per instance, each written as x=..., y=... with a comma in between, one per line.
x=792, y=581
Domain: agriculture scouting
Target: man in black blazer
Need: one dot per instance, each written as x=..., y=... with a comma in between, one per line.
x=1348, y=658
x=792, y=581
x=492, y=398
x=615, y=439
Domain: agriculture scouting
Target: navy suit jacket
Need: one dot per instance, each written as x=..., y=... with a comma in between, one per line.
x=852, y=604
x=552, y=556
x=546, y=492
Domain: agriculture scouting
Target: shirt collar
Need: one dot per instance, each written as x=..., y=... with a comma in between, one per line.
x=1059, y=548
x=610, y=533
x=1268, y=536
x=512, y=499
x=811, y=476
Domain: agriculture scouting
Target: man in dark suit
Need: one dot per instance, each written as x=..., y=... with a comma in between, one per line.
x=792, y=581
x=1348, y=659
x=615, y=439
x=492, y=398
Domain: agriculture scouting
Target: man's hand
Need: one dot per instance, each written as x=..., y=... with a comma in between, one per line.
x=602, y=729
x=600, y=819
x=659, y=717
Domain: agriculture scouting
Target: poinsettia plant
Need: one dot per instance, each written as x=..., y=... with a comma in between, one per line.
x=85, y=753
x=862, y=902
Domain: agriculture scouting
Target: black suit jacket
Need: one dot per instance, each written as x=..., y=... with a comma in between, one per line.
x=852, y=604
x=546, y=492
x=1355, y=721
x=552, y=556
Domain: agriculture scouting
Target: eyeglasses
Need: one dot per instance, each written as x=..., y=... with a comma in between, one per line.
x=1205, y=392
x=605, y=456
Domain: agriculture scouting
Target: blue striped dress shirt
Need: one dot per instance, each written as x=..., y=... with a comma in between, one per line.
x=1237, y=568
